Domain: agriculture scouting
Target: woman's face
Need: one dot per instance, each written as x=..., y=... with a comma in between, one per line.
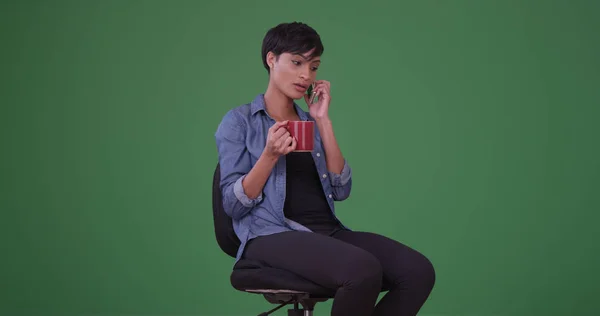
x=292, y=74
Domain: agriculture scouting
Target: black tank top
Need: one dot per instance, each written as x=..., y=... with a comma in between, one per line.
x=305, y=201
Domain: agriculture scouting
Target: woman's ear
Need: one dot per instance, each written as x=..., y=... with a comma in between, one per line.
x=272, y=59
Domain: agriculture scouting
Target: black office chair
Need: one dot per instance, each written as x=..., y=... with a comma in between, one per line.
x=276, y=285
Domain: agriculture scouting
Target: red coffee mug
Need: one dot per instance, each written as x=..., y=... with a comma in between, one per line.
x=304, y=131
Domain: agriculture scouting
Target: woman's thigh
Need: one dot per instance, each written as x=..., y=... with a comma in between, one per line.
x=322, y=259
x=400, y=263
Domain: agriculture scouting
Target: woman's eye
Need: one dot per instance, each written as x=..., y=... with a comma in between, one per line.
x=295, y=62
x=314, y=68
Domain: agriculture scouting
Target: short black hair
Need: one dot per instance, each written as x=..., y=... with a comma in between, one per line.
x=294, y=38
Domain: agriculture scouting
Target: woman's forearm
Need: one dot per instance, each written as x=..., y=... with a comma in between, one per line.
x=255, y=180
x=335, y=159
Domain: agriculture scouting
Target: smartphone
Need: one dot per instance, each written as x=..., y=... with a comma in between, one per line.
x=312, y=96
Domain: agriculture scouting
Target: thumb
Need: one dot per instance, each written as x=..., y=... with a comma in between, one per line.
x=306, y=99
x=279, y=124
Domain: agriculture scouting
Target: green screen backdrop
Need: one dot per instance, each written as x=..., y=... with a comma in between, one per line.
x=471, y=126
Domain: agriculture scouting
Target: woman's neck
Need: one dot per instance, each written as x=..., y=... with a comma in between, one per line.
x=279, y=106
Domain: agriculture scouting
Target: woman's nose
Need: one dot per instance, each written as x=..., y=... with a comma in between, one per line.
x=304, y=75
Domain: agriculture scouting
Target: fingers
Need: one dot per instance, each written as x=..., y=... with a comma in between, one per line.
x=278, y=130
x=322, y=87
x=278, y=125
x=280, y=133
x=285, y=145
x=323, y=84
x=280, y=138
x=291, y=147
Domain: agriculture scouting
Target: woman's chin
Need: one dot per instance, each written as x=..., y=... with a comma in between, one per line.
x=296, y=95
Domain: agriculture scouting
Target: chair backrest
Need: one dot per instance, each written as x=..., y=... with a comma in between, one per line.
x=226, y=237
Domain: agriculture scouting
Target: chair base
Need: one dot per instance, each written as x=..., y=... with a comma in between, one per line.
x=299, y=312
x=287, y=297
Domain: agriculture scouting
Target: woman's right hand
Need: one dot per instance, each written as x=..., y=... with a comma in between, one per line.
x=279, y=140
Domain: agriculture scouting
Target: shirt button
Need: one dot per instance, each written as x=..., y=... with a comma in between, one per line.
x=324, y=175
x=318, y=154
x=330, y=196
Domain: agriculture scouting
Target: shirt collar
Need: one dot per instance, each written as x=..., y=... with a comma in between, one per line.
x=258, y=104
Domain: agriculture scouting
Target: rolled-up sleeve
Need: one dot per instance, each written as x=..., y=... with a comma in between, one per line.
x=341, y=183
x=235, y=164
x=238, y=191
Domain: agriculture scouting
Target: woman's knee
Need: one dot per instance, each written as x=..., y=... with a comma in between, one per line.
x=415, y=272
x=363, y=270
x=422, y=274
x=427, y=273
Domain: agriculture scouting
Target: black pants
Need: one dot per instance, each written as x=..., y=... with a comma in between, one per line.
x=357, y=265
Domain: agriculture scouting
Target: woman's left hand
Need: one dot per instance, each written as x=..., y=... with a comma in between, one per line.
x=320, y=109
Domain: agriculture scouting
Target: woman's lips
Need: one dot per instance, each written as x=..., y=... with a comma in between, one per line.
x=300, y=87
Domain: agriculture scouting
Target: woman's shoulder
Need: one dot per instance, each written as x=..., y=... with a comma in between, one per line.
x=237, y=115
x=241, y=117
x=243, y=110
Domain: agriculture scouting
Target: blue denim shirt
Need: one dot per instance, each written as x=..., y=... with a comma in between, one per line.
x=241, y=138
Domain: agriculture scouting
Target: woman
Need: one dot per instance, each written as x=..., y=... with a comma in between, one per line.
x=282, y=202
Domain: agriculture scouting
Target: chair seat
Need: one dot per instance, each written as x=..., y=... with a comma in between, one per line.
x=257, y=277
